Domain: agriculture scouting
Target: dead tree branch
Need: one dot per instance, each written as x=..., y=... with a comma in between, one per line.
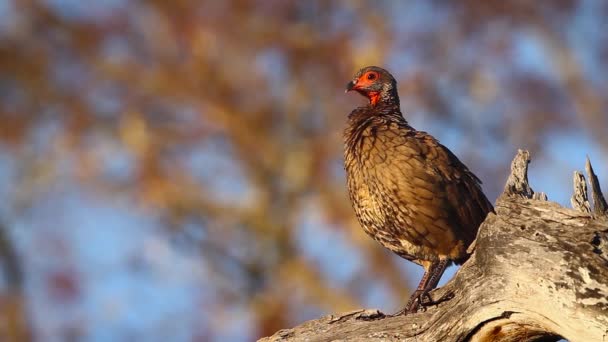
x=539, y=272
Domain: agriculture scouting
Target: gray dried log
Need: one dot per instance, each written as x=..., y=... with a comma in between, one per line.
x=539, y=272
x=541, y=196
x=599, y=202
x=579, y=200
x=535, y=273
x=517, y=183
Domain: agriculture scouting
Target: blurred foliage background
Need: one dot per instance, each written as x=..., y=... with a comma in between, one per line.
x=172, y=170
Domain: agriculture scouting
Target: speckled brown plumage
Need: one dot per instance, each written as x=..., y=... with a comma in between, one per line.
x=409, y=192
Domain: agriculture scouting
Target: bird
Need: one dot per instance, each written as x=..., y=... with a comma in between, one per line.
x=409, y=192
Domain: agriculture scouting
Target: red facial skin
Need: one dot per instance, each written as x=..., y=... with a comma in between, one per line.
x=362, y=83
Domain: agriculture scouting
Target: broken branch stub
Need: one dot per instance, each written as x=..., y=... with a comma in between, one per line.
x=517, y=183
x=579, y=199
x=599, y=202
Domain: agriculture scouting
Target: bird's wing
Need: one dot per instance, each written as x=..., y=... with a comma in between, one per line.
x=427, y=192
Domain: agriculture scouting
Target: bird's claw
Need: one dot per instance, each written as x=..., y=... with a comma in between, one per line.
x=420, y=300
x=430, y=302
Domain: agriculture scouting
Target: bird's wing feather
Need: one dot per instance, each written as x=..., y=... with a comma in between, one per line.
x=429, y=194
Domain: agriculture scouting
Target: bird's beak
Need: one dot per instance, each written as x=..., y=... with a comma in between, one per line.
x=350, y=86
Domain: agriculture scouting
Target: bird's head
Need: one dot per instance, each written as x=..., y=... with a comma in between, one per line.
x=375, y=83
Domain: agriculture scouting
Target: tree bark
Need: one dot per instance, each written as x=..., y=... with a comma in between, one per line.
x=538, y=272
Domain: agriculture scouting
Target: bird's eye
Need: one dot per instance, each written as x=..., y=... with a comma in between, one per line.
x=371, y=76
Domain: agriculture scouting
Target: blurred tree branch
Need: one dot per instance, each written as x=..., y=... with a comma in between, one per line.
x=14, y=326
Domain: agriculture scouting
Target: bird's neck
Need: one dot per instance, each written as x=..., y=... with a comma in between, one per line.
x=368, y=121
x=385, y=98
x=383, y=111
x=374, y=115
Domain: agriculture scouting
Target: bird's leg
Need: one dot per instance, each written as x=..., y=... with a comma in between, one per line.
x=437, y=269
x=427, y=283
x=414, y=301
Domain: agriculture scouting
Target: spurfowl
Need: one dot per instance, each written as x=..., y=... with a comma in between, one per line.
x=409, y=192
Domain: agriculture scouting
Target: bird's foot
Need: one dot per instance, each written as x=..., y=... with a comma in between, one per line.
x=428, y=301
x=413, y=303
x=420, y=300
x=401, y=312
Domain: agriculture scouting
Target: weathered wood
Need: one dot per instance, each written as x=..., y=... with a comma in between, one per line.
x=517, y=183
x=579, y=200
x=599, y=202
x=539, y=272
